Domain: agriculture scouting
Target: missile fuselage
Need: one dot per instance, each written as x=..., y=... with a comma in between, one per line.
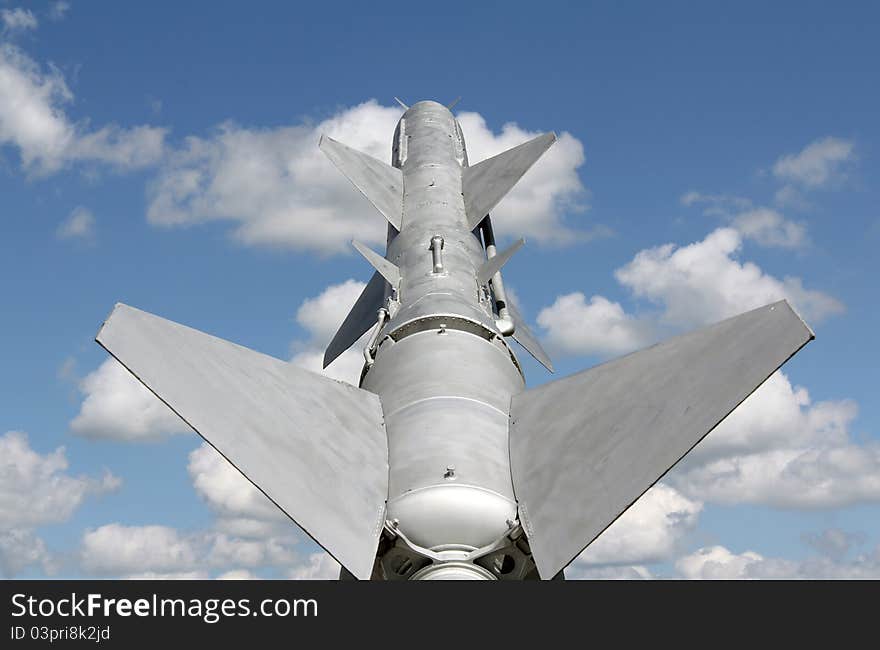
x=442, y=369
x=441, y=464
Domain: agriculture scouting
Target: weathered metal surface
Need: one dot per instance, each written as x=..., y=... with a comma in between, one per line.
x=379, y=182
x=361, y=318
x=316, y=447
x=586, y=447
x=486, y=183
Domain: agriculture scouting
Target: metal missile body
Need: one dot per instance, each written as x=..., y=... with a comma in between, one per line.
x=442, y=465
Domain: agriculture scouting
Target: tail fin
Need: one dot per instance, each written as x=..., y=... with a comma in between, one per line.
x=316, y=447
x=609, y=433
x=361, y=318
x=486, y=183
x=381, y=183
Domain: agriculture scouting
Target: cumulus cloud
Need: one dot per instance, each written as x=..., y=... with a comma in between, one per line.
x=278, y=189
x=319, y=566
x=769, y=228
x=229, y=493
x=817, y=165
x=650, y=531
x=538, y=204
x=35, y=490
x=720, y=563
x=704, y=282
x=33, y=120
x=321, y=317
x=114, y=549
x=79, y=224
x=18, y=19
x=601, y=327
x=780, y=449
x=117, y=406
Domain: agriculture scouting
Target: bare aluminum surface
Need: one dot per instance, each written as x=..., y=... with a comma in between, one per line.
x=315, y=446
x=362, y=317
x=486, y=183
x=381, y=183
x=586, y=447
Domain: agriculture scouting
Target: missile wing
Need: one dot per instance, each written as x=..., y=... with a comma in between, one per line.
x=585, y=448
x=315, y=446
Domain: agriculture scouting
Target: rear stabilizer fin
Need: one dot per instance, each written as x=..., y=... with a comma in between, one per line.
x=315, y=446
x=584, y=448
x=381, y=183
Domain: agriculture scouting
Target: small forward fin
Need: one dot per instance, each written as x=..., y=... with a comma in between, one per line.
x=361, y=318
x=493, y=265
x=388, y=270
x=486, y=183
x=381, y=183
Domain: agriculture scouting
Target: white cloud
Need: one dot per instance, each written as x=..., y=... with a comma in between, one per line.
x=33, y=120
x=238, y=574
x=79, y=224
x=574, y=326
x=229, y=493
x=585, y=572
x=117, y=406
x=320, y=566
x=650, y=531
x=35, y=489
x=279, y=190
x=321, y=316
x=817, y=165
x=769, y=228
x=537, y=205
x=704, y=282
x=21, y=548
x=114, y=549
x=18, y=19
x=719, y=563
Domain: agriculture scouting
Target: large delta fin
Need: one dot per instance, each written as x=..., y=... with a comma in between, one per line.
x=584, y=448
x=389, y=270
x=315, y=446
x=363, y=316
x=486, y=183
x=381, y=183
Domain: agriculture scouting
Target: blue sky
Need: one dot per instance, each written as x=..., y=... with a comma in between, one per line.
x=712, y=158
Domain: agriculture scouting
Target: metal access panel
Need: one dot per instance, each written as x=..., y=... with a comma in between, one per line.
x=315, y=446
x=585, y=448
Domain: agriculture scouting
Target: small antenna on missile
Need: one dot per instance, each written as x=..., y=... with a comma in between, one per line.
x=454, y=102
x=398, y=100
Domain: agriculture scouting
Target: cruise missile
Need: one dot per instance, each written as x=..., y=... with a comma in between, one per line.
x=441, y=464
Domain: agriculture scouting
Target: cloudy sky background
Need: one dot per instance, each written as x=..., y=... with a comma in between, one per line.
x=710, y=160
